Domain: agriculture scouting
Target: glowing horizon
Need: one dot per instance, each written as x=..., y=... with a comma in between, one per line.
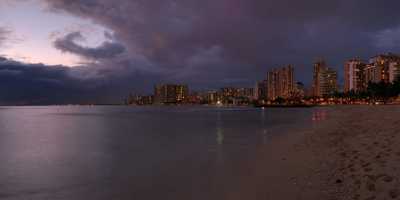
x=34, y=28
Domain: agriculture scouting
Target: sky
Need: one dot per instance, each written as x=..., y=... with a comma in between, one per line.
x=99, y=51
x=34, y=27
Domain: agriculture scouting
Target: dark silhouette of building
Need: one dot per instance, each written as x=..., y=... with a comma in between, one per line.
x=261, y=91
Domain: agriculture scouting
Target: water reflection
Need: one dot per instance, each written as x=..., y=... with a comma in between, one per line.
x=119, y=153
x=220, y=136
x=264, y=127
x=219, y=141
x=319, y=115
x=220, y=133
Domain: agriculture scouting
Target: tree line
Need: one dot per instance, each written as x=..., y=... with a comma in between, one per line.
x=382, y=91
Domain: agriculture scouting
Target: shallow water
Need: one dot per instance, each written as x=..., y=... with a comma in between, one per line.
x=73, y=152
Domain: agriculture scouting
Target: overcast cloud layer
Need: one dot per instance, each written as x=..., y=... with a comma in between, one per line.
x=214, y=43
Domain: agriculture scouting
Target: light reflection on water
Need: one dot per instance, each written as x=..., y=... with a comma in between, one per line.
x=319, y=115
x=142, y=153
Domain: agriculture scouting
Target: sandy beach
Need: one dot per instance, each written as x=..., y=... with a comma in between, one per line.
x=363, y=144
x=353, y=153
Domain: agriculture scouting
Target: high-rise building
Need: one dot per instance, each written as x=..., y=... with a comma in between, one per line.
x=355, y=75
x=261, y=90
x=237, y=92
x=384, y=68
x=213, y=97
x=318, y=67
x=181, y=92
x=280, y=82
x=394, y=70
x=328, y=82
x=299, y=91
x=229, y=92
x=245, y=92
x=170, y=94
x=324, y=80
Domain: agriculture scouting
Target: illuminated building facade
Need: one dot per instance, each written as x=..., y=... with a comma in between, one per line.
x=170, y=94
x=318, y=67
x=384, y=68
x=328, y=82
x=229, y=92
x=245, y=92
x=236, y=96
x=355, y=75
x=299, y=91
x=213, y=97
x=140, y=100
x=381, y=68
x=324, y=80
x=280, y=82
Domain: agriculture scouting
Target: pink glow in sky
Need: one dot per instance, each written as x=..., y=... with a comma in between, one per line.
x=33, y=29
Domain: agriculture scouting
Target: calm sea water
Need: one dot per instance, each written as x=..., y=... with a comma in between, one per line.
x=135, y=153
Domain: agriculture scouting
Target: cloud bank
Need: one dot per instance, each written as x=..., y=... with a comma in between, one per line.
x=214, y=43
x=252, y=35
x=39, y=84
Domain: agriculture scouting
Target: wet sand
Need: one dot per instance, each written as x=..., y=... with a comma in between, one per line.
x=353, y=153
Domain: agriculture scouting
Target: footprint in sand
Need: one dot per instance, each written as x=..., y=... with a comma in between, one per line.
x=357, y=183
x=371, y=187
x=371, y=198
x=362, y=162
x=388, y=149
x=366, y=165
x=394, y=193
x=388, y=179
x=367, y=169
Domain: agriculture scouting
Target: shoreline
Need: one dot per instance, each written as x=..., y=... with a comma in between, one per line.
x=216, y=106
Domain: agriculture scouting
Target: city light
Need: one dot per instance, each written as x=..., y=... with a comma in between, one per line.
x=363, y=84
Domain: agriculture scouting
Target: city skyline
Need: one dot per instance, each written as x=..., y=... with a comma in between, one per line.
x=103, y=50
x=386, y=63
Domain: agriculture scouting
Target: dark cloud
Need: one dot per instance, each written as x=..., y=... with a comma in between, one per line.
x=34, y=83
x=107, y=50
x=214, y=43
x=23, y=84
x=251, y=35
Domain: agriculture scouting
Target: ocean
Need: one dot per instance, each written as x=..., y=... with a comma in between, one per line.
x=118, y=152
